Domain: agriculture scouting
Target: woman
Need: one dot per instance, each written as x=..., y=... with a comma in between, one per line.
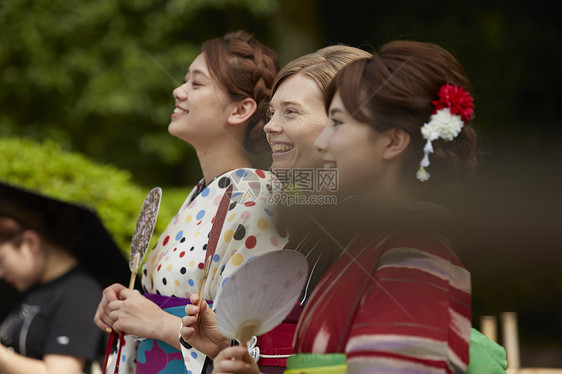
x=297, y=117
x=410, y=305
x=220, y=110
x=297, y=114
x=45, y=252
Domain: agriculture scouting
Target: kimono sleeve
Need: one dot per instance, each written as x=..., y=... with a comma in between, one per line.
x=250, y=229
x=415, y=317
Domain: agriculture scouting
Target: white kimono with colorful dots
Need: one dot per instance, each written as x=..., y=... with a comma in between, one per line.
x=175, y=266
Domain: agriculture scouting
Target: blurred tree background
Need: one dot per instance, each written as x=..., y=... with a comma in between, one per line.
x=96, y=77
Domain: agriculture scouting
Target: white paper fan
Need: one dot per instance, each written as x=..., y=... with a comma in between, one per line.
x=259, y=295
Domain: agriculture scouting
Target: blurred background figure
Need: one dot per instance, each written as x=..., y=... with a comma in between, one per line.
x=59, y=255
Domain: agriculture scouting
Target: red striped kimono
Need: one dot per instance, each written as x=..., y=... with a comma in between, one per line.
x=398, y=303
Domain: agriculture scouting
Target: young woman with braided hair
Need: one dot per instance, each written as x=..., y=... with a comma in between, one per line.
x=220, y=110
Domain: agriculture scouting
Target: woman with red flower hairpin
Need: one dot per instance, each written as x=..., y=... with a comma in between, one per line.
x=398, y=299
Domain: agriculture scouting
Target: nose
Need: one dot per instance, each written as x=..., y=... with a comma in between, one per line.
x=180, y=92
x=273, y=126
x=321, y=143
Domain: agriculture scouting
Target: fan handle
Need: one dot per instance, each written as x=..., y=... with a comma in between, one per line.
x=247, y=330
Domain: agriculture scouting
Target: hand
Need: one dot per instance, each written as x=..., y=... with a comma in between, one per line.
x=134, y=314
x=235, y=360
x=102, y=318
x=199, y=328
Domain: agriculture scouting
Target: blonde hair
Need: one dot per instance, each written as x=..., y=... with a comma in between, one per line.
x=321, y=66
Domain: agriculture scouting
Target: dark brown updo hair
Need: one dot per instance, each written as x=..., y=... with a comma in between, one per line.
x=247, y=69
x=394, y=89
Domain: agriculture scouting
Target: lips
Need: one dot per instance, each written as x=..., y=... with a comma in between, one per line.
x=180, y=111
x=281, y=147
x=330, y=164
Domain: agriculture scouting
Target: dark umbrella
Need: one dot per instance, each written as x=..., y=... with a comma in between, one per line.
x=76, y=228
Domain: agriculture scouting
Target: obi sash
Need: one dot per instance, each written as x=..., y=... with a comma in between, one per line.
x=274, y=347
x=309, y=363
x=155, y=356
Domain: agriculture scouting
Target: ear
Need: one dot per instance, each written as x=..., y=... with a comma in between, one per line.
x=397, y=143
x=242, y=111
x=32, y=240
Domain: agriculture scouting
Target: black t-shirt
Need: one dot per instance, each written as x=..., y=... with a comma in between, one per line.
x=56, y=318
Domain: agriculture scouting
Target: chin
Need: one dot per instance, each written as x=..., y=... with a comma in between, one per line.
x=175, y=132
x=277, y=165
x=21, y=288
x=172, y=129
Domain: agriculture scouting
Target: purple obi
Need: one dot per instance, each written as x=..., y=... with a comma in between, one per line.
x=155, y=356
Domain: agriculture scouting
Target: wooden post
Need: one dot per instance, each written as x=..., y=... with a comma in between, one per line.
x=489, y=327
x=511, y=340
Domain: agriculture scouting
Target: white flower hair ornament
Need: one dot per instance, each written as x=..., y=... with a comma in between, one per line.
x=451, y=111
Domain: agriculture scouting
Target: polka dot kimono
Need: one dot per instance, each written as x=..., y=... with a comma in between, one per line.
x=175, y=266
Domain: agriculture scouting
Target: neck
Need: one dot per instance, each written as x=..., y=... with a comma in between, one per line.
x=389, y=191
x=220, y=158
x=57, y=263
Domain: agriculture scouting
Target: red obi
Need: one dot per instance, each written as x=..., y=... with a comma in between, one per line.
x=278, y=342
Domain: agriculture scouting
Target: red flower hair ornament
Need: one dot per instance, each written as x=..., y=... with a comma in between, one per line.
x=451, y=111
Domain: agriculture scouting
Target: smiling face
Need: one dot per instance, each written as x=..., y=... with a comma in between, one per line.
x=297, y=118
x=355, y=148
x=202, y=106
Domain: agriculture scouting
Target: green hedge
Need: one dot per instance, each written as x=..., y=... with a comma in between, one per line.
x=47, y=168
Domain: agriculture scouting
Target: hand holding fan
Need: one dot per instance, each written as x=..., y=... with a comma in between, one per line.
x=139, y=243
x=259, y=295
x=143, y=231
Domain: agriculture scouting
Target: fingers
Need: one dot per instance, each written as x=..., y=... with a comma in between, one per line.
x=188, y=326
x=194, y=298
x=235, y=353
x=234, y=360
x=232, y=366
x=125, y=293
x=102, y=318
x=186, y=332
x=190, y=320
x=191, y=310
x=116, y=314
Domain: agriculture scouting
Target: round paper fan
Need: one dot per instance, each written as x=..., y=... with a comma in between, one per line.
x=259, y=295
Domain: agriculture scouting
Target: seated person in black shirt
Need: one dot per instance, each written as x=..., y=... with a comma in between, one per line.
x=60, y=256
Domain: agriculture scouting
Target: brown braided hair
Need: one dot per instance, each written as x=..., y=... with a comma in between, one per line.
x=247, y=69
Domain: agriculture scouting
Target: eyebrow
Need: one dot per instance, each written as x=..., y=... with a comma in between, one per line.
x=287, y=103
x=335, y=111
x=197, y=72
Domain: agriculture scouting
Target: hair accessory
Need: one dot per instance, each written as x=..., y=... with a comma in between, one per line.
x=453, y=109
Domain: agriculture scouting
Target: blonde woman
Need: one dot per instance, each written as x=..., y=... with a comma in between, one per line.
x=296, y=118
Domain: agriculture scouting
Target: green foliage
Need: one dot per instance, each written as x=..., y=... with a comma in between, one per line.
x=97, y=76
x=49, y=169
